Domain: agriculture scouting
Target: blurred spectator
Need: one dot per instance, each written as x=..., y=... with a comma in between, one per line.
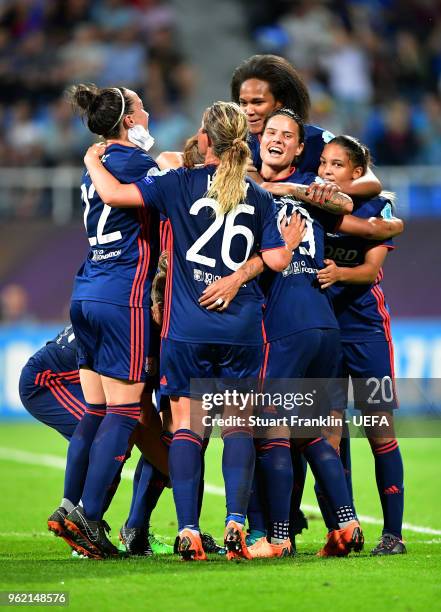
x=84, y=56
x=309, y=27
x=398, y=144
x=347, y=67
x=113, y=15
x=124, y=60
x=428, y=128
x=171, y=79
x=25, y=136
x=14, y=305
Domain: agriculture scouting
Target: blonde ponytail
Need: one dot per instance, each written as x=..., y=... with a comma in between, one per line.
x=226, y=126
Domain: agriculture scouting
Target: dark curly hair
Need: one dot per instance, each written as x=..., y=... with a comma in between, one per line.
x=285, y=83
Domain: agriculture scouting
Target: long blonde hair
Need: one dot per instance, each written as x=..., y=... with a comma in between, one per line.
x=227, y=128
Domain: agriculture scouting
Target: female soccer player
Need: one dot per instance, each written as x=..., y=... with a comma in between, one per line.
x=110, y=314
x=287, y=317
x=218, y=219
x=50, y=390
x=262, y=84
x=352, y=274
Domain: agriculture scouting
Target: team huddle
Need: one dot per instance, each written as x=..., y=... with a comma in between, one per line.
x=251, y=260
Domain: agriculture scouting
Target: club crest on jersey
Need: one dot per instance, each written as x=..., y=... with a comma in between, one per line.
x=151, y=366
x=198, y=275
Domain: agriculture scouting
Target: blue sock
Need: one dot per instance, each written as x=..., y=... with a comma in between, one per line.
x=107, y=453
x=201, y=480
x=257, y=512
x=345, y=457
x=184, y=461
x=274, y=460
x=300, y=467
x=141, y=481
x=389, y=475
x=238, y=461
x=328, y=472
x=78, y=452
x=157, y=484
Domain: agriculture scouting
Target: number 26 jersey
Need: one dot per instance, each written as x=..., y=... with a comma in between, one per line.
x=204, y=247
x=123, y=251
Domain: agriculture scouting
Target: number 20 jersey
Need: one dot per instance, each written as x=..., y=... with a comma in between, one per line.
x=204, y=247
x=123, y=253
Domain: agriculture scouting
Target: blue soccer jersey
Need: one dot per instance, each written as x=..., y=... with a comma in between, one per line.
x=361, y=310
x=204, y=247
x=294, y=300
x=309, y=161
x=123, y=254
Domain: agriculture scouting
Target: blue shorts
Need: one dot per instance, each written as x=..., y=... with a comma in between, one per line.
x=115, y=341
x=371, y=368
x=312, y=353
x=183, y=361
x=301, y=369
x=54, y=400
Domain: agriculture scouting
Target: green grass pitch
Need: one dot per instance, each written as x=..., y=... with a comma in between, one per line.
x=32, y=559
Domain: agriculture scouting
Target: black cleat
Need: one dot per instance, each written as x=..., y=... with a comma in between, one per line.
x=89, y=537
x=298, y=524
x=210, y=546
x=136, y=541
x=389, y=545
x=55, y=523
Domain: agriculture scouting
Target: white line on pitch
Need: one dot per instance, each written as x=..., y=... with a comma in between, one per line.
x=19, y=456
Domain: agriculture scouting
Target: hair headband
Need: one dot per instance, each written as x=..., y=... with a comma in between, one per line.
x=123, y=108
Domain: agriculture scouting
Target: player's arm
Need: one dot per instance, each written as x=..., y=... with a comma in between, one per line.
x=325, y=196
x=374, y=228
x=363, y=274
x=110, y=190
x=367, y=186
x=226, y=288
x=293, y=234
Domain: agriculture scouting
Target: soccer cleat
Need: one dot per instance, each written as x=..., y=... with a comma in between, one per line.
x=262, y=549
x=253, y=536
x=299, y=523
x=389, y=545
x=190, y=546
x=55, y=523
x=89, y=537
x=135, y=541
x=234, y=541
x=158, y=547
x=210, y=546
x=340, y=542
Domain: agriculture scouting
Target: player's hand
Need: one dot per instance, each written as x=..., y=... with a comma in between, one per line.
x=322, y=192
x=157, y=311
x=220, y=294
x=253, y=173
x=279, y=189
x=328, y=275
x=95, y=152
x=293, y=232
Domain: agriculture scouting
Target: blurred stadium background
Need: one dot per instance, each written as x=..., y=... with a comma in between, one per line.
x=373, y=68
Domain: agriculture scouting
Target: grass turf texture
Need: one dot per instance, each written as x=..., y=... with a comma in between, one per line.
x=32, y=559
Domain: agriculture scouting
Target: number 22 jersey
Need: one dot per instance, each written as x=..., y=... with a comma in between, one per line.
x=123, y=253
x=204, y=247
